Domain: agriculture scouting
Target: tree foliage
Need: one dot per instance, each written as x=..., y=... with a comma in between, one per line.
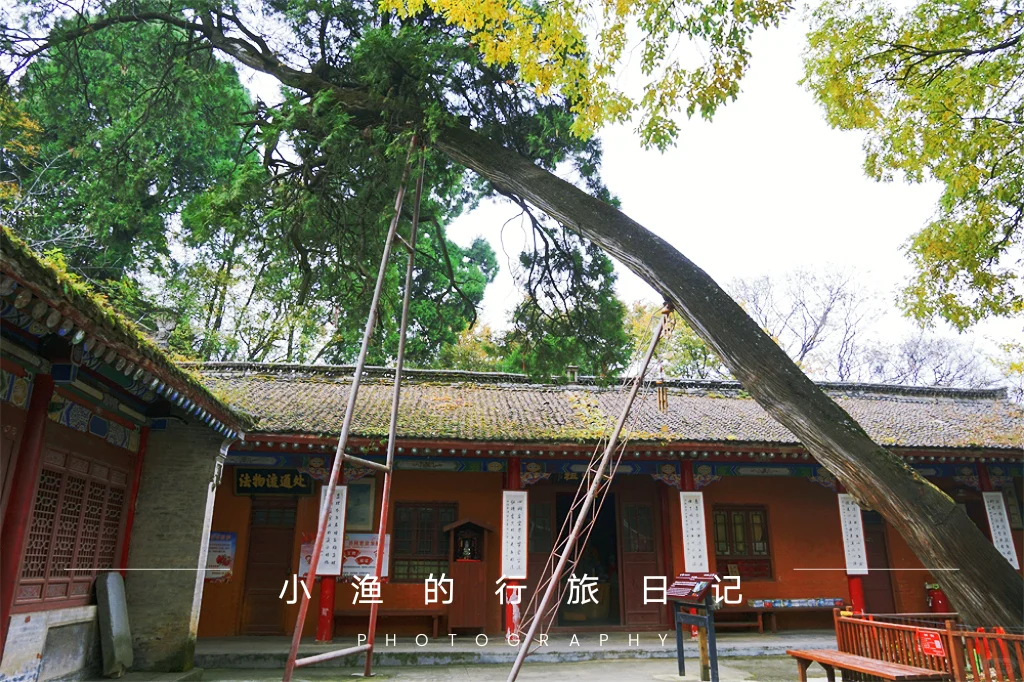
x=256, y=225
x=680, y=354
x=937, y=88
x=133, y=124
x=578, y=49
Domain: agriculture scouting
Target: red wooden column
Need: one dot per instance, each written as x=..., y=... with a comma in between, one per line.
x=23, y=490
x=984, y=482
x=854, y=582
x=328, y=589
x=130, y=517
x=325, y=619
x=513, y=615
x=688, y=487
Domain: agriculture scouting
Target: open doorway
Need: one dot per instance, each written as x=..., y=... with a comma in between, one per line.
x=600, y=560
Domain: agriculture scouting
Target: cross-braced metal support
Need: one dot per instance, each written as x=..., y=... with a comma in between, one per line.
x=340, y=456
x=596, y=481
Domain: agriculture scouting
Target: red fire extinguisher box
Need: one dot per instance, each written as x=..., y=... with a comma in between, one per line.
x=937, y=600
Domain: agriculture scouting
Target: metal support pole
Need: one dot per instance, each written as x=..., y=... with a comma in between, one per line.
x=346, y=425
x=584, y=511
x=385, y=501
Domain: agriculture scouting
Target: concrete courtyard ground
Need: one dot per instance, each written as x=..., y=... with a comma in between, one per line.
x=743, y=658
x=250, y=653
x=746, y=669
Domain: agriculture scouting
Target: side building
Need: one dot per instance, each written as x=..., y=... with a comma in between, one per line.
x=110, y=455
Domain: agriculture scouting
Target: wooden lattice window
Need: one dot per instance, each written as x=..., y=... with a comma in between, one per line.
x=637, y=528
x=420, y=545
x=741, y=542
x=76, y=529
x=540, y=534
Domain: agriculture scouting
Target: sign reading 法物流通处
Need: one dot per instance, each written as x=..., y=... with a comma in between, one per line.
x=271, y=481
x=331, y=552
x=513, y=534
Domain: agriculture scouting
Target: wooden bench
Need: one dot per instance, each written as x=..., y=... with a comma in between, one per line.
x=435, y=613
x=830, y=660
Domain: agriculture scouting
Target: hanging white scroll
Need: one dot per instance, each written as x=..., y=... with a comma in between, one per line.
x=513, y=534
x=695, y=537
x=853, y=536
x=330, y=554
x=999, y=525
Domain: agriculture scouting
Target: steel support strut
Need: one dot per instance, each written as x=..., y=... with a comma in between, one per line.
x=588, y=501
x=339, y=455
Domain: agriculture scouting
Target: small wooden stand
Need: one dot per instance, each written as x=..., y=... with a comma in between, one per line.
x=468, y=566
x=693, y=591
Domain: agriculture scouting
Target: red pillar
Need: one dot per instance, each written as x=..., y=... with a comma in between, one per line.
x=854, y=582
x=23, y=489
x=130, y=517
x=689, y=487
x=984, y=482
x=513, y=615
x=328, y=585
x=325, y=620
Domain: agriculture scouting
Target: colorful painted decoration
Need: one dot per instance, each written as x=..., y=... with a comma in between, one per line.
x=14, y=389
x=81, y=418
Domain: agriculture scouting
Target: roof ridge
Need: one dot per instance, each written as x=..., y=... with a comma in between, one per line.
x=452, y=375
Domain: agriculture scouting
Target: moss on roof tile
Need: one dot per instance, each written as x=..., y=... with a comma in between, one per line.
x=312, y=400
x=61, y=288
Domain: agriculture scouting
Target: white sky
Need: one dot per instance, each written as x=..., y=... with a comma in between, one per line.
x=764, y=188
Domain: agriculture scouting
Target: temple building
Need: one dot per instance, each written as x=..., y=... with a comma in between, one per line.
x=114, y=457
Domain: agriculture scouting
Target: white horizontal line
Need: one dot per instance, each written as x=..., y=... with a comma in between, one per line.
x=97, y=568
x=930, y=570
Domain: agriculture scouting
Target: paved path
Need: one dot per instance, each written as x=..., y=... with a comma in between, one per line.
x=765, y=669
x=248, y=653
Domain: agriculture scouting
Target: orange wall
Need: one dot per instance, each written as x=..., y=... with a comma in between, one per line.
x=803, y=530
x=222, y=602
x=477, y=494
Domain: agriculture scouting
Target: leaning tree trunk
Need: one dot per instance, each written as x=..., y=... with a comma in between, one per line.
x=985, y=588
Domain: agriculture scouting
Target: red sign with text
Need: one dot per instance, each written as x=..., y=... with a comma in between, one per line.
x=931, y=643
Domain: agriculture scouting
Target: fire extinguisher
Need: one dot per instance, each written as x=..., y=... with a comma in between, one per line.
x=937, y=600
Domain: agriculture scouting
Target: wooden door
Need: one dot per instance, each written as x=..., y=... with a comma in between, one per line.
x=877, y=583
x=542, y=533
x=469, y=599
x=640, y=551
x=269, y=565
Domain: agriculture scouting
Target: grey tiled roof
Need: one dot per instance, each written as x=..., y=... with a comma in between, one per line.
x=504, y=407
